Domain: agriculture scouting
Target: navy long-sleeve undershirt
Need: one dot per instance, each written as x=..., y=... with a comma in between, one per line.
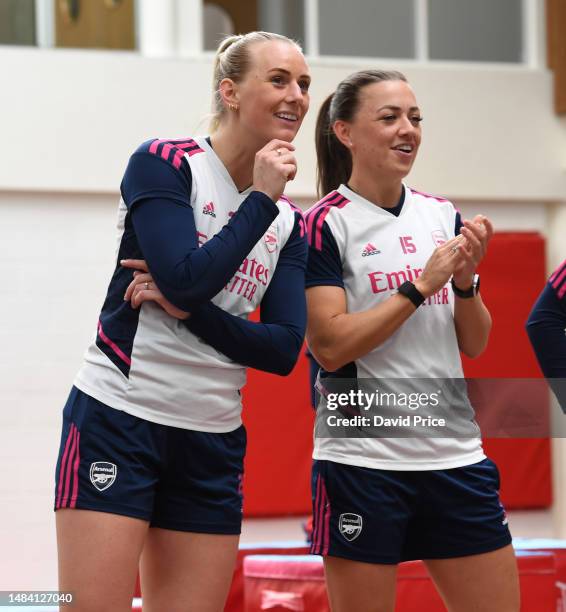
x=158, y=198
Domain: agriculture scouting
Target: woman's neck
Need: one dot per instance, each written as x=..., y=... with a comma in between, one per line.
x=236, y=155
x=381, y=192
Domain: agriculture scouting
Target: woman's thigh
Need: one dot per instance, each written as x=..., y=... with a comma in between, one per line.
x=486, y=582
x=182, y=571
x=98, y=558
x=191, y=547
x=355, y=586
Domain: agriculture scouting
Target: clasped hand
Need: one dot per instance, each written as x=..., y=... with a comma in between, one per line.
x=457, y=258
x=143, y=289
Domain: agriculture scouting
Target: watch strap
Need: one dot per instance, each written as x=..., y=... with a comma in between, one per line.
x=468, y=293
x=409, y=290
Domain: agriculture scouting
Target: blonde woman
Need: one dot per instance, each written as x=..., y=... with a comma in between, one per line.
x=152, y=448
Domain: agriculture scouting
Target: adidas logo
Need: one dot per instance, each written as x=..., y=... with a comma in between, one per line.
x=208, y=209
x=370, y=250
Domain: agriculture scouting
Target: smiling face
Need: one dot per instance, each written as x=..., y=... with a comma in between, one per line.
x=385, y=133
x=273, y=96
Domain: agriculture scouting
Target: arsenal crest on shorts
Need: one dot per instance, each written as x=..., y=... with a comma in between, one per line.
x=103, y=474
x=350, y=525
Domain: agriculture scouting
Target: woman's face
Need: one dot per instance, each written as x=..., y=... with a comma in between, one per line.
x=385, y=134
x=273, y=97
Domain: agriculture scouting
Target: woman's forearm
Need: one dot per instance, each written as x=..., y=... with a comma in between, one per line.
x=473, y=325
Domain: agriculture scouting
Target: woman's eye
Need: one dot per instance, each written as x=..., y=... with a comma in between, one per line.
x=416, y=120
x=389, y=118
x=304, y=85
x=277, y=80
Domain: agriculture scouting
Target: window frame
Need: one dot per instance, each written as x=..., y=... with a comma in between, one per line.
x=533, y=40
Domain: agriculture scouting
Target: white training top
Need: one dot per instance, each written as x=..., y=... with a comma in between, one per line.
x=148, y=363
x=370, y=252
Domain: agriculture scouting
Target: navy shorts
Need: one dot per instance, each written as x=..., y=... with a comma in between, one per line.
x=387, y=516
x=174, y=478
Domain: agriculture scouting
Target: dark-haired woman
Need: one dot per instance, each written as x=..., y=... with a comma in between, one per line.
x=392, y=294
x=152, y=448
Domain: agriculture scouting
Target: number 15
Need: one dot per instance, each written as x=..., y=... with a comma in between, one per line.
x=407, y=244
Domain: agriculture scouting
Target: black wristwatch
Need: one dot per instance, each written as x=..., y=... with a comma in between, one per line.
x=410, y=291
x=468, y=293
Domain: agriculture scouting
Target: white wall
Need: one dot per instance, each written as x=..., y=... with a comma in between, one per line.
x=69, y=121
x=489, y=132
x=56, y=257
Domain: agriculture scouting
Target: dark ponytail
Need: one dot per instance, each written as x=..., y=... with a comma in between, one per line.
x=334, y=161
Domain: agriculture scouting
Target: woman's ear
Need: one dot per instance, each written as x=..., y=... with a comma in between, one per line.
x=229, y=94
x=342, y=132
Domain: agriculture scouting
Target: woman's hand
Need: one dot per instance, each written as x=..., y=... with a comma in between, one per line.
x=143, y=289
x=441, y=265
x=477, y=233
x=274, y=165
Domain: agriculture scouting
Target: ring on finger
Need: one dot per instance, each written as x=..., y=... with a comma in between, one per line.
x=278, y=152
x=147, y=285
x=454, y=249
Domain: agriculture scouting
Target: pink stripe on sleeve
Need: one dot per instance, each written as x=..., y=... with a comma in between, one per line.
x=562, y=291
x=165, y=151
x=429, y=195
x=558, y=271
x=76, y=473
x=195, y=151
x=302, y=223
x=153, y=146
x=63, y=466
x=179, y=154
x=295, y=208
x=318, y=229
x=316, y=209
x=68, y=470
x=320, y=221
x=113, y=346
x=558, y=280
x=185, y=144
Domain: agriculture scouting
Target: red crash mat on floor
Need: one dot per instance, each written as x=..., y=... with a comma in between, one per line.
x=558, y=549
x=235, y=602
x=273, y=582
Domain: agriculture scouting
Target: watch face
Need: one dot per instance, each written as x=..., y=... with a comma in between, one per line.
x=476, y=284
